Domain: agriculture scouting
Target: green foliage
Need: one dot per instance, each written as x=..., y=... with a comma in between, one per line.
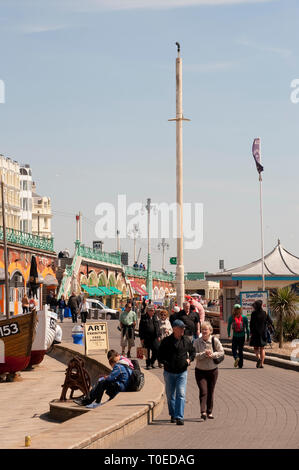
x=290, y=329
x=284, y=305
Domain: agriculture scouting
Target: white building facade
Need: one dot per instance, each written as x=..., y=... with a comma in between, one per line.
x=26, y=198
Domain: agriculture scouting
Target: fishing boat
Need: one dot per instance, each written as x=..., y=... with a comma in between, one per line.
x=16, y=338
x=45, y=335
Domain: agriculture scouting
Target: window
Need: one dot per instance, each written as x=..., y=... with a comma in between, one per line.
x=25, y=204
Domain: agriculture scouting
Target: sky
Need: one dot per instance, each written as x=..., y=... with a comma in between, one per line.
x=89, y=89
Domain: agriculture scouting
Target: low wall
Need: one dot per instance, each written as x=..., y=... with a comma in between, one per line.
x=102, y=427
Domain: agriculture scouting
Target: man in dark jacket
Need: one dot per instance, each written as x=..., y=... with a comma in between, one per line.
x=176, y=352
x=190, y=320
x=73, y=304
x=150, y=335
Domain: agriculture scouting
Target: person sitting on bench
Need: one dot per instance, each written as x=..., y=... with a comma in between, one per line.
x=117, y=381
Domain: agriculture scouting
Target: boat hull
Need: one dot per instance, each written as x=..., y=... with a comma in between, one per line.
x=45, y=335
x=16, y=338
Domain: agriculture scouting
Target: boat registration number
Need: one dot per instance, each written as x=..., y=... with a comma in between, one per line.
x=8, y=330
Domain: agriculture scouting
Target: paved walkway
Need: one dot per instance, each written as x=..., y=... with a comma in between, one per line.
x=254, y=409
x=24, y=404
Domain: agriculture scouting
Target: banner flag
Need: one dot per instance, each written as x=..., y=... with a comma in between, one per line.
x=256, y=152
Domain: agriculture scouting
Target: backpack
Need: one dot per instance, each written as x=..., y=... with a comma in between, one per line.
x=136, y=381
x=238, y=326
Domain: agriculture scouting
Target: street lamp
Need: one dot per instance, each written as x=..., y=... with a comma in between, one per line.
x=164, y=246
x=134, y=233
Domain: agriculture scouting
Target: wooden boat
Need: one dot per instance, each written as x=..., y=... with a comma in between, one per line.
x=16, y=338
x=45, y=335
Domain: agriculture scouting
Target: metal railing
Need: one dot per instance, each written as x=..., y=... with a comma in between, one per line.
x=28, y=239
x=89, y=253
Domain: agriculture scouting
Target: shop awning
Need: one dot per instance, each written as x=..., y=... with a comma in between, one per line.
x=106, y=290
x=50, y=280
x=92, y=290
x=138, y=290
x=115, y=290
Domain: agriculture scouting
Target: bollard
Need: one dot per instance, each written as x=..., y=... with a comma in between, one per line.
x=77, y=334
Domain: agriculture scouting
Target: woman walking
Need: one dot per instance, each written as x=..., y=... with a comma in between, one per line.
x=239, y=324
x=258, y=332
x=207, y=349
x=84, y=309
x=61, y=307
x=165, y=326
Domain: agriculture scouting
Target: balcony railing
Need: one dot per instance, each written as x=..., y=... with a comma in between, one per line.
x=27, y=239
x=89, y=253
x=115, y=258
x=137, y=272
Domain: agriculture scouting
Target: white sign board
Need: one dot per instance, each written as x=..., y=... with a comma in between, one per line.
x=247, y=299
x=96, y=337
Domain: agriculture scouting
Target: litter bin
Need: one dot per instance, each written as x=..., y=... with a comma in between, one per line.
x=77, y=334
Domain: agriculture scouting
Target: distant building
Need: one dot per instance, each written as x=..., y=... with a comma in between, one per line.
x=10, y=173
x=41, y=214
x=26, y=198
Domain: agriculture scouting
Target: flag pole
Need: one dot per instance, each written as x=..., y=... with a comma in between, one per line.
x=262, y=232
x=257, y=155
x=262, y=222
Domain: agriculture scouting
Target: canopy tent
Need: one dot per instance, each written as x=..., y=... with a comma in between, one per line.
x=279, y=264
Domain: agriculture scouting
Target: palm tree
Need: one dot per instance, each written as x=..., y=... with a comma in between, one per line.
x=283, y=304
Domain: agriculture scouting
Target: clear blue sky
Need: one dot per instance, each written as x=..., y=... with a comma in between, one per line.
x=90, y=86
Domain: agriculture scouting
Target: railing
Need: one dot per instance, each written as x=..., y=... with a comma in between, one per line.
x=115, y=258
x=86, y=252
x=27, y=239
x=194, y=276
x=137, y=272
x=163, y=276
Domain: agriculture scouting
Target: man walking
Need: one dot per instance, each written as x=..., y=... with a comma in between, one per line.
x=176, y=352
x=73, y=304
x=190, y=320
x=128, y=321
x=150, y=335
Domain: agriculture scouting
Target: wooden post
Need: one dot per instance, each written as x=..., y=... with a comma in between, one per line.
x=5, y=252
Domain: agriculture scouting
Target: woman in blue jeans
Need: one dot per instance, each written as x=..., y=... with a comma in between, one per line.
x=61, y=308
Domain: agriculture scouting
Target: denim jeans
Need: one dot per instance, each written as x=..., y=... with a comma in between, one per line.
x=61, y=314
x=237, y=348
x=175, y=391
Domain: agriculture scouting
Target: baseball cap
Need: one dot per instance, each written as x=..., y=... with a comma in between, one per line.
x=176, y=309
x=237, y=306
x=179, y=323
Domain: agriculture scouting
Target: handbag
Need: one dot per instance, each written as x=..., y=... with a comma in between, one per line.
x=216, y=360
x=141, y=352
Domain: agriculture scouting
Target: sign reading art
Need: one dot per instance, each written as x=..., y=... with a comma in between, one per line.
x=247, y=299
x=96, y=337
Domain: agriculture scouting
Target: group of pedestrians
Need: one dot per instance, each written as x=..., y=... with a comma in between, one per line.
x=76, y=304
x=177, y=341
x=256, y=332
